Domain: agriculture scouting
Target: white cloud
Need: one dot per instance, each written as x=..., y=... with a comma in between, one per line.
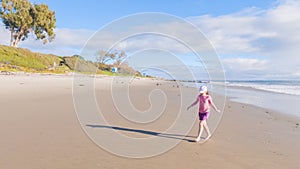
x=226, y=34
x=265, y=36
x=175, y=36
x=245, y=64
x=4, y=35
x=67, y=41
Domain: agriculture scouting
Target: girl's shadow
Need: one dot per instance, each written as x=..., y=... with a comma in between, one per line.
x=147, y=132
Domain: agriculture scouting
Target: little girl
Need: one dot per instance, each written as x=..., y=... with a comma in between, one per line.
x=205, y=101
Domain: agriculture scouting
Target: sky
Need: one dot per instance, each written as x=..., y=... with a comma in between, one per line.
x=252, y=39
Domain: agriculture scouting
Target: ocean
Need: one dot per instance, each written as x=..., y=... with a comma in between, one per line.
x=291, y=87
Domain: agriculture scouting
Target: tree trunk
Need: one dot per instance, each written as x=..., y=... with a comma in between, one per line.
x=12, y=37
x=16, y=43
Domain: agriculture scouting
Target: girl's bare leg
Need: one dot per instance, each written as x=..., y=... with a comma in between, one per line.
x=200, y=131
x=206, y=129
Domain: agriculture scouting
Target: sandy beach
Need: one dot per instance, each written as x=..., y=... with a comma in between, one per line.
x=40, y=129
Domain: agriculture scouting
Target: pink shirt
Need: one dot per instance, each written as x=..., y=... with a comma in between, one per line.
x=204, y=103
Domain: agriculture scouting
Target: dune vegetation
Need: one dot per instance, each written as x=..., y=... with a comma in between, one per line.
x=14, y=59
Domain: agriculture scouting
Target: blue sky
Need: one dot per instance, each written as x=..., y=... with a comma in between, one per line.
x=253, y=39
x=93, y=14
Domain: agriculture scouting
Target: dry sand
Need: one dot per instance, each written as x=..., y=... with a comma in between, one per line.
x=40, y=130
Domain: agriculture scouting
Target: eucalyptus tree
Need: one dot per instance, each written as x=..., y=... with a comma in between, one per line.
x=21, y=18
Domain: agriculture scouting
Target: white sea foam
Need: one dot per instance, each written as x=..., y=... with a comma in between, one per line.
x=285, y=87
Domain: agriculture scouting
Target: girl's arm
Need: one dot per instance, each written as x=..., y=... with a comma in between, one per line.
x=193, y=104
x=213, y=105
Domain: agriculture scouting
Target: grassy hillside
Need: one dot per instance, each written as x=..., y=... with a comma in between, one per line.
x=78, y=64
x=18, y=59
x=23, y=60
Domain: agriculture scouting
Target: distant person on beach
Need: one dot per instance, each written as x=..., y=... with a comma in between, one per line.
x=205, y=101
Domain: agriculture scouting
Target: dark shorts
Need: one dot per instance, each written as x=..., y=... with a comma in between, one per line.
x=203, y=116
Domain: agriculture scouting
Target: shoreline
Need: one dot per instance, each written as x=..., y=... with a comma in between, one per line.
x=285, y=104
x=40, y=129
